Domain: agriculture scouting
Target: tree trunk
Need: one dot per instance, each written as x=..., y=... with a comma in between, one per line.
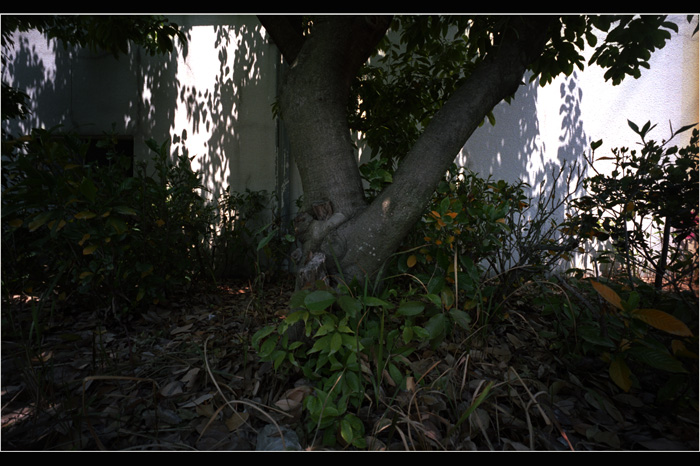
x=349, y=237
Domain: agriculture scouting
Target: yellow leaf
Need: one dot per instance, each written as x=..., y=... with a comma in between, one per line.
x=38, y=221
x=411, y=261
x=85, y=237
x=160, y=222
x=620, y=373
x=89, y=250
x=679, y=349
x=85, y=214
x=236, y=420
x=608, y=294
x=629, y=207
x=16, y=223
x=662, y=321
x=61, y=224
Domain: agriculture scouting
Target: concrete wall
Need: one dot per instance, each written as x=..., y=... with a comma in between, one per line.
x=216, y=100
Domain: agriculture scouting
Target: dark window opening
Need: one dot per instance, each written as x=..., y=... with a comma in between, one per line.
x=101, y=154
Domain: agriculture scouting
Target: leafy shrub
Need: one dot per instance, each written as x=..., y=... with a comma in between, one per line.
x=480, y=239
x=349, y=344
x=93, y=233
x=250, y=239
x=646, y=209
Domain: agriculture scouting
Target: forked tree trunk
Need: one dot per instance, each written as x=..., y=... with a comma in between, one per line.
x=340, y=234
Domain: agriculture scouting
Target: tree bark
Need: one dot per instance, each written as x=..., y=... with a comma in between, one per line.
x=355, y=238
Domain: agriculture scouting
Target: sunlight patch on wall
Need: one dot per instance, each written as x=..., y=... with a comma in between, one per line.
x=205, y=108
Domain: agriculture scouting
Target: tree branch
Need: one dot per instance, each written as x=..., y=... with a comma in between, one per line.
x=391, y=215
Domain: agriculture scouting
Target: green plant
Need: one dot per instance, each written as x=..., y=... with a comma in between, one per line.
x=92, y=233
x=481, y=239
x=646, y=208
x=250, y=240
x=626, y=337
x=327, y=354
x=350, y=345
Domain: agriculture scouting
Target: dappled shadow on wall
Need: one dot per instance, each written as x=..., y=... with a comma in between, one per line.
x=530, y=138
x=92, y=93
x=539, y=139
x=209, y=115
x=34, y=66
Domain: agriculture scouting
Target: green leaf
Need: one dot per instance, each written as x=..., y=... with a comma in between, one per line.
x=461, y=318
x=436, y=326
x=396, y=375
x=319, y=300
x=89, y=249
x=374, y=301
x=346, y=431
x=410, y=308
x=336, y=342
x=322, y=344
x=118, y=225
x=351, y=306
x=475, y=404
x=88, y=189
x=658, y=358
x=263, y=242
x=125, y=210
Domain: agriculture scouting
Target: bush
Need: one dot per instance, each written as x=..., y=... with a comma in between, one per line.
x=480, y=239
x=646, y=209
x=95, y=234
